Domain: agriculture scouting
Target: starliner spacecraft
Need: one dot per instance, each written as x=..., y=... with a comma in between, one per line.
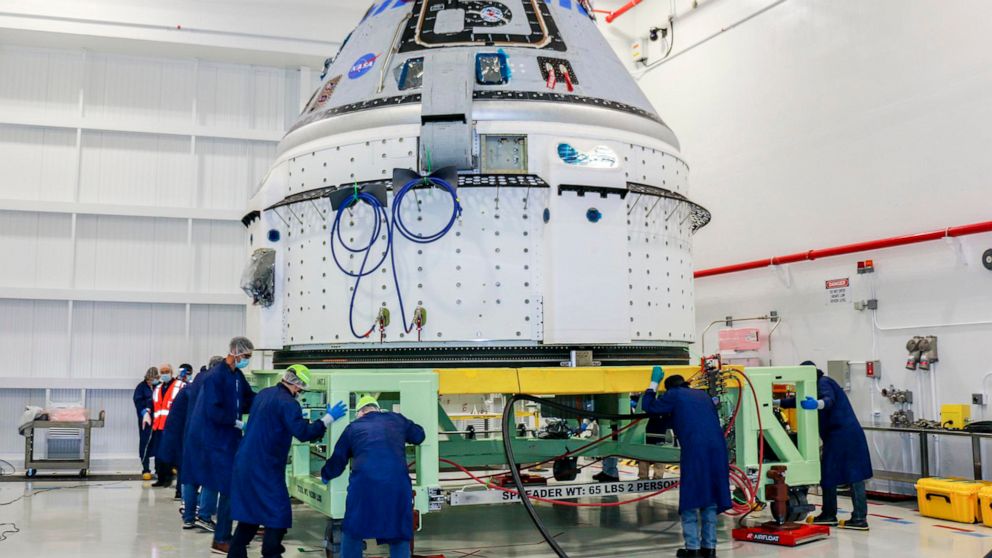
x=474, y=182
x=477, y=194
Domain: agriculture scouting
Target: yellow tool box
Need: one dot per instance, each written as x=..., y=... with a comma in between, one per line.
x=955, y=417
x=950, y=499
x=985, y=505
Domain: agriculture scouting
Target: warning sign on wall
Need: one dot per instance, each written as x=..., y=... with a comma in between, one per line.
x=838, y=291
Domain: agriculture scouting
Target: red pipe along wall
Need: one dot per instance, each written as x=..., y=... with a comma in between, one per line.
x=950, y=232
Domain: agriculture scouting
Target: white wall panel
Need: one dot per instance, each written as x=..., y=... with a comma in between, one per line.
x=119, y=436
x=211, y=329
x=12, y=403
x=35, y=248
x=38, y=163
x=132, y=253
x=139, y=90
x=33, y=338
x=229, y=170
x=234, y=96
x=40, y=81
x=121, y=340
x=136, y=169
x=123, y=157
x=219, y=256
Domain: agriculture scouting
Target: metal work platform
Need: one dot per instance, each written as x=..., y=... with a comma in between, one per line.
x=758, y=439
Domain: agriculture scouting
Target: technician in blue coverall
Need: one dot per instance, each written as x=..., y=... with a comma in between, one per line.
x=705, y=481
x=199, y=502
x=844, y=457
x=258, y=492
x=224, y=398
x=143, y=406
x=380, y=495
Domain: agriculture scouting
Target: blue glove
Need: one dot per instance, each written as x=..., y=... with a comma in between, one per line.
x=810, y=404
x=324, y=480
x=657, y=375
x=338, y=410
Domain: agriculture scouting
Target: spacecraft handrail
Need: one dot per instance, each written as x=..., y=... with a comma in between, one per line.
x=810, y=255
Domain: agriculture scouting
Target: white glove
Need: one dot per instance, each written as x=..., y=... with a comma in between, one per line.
x=239, y=425
x=146, y=420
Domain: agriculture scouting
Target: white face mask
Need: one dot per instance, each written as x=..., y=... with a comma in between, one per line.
x=166, y=377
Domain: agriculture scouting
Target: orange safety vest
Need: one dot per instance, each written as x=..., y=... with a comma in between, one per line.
x=161, y=404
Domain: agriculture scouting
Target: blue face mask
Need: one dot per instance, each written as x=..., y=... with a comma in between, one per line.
x=241, y=364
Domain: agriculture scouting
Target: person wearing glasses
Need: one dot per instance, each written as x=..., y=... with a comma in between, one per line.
x=222, y=402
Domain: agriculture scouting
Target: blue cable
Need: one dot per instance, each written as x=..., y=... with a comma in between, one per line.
x=379, y=215
x=400, y=226
x=397, y=224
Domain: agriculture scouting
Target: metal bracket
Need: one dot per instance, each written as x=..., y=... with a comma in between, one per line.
x=447, y=129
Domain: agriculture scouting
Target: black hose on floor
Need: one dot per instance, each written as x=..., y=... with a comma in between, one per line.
x=511, y=460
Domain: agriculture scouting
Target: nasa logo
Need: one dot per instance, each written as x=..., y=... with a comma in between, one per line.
x=362, y=66
x=492, y=14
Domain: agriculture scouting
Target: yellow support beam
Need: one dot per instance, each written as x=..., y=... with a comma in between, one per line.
x=552, y=381
x=467, y=381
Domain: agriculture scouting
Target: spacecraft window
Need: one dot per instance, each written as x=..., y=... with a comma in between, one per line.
x=410, y=74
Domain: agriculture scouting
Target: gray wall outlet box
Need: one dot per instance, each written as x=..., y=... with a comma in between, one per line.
x=840, y=372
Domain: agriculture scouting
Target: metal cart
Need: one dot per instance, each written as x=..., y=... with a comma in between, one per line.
x=31, y=465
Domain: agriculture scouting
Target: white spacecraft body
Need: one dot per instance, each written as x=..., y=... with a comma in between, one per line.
x=575, y=224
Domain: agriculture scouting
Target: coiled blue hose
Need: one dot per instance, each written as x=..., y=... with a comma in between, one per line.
x=400, y=226
x=380, y=216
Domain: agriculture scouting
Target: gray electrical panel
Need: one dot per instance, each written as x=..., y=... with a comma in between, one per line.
x=840, y=372
x=504, y=154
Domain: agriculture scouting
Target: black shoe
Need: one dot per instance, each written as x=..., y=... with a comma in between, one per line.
x=707, y=552
x=177, y=498
x=829, y=520
x=686, y=553
x=206, y=524
x=189, y=525
x=182, y=511
x=856, y=524
x=603, y=477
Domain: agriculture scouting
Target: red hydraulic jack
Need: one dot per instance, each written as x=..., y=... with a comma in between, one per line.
x=787, y=507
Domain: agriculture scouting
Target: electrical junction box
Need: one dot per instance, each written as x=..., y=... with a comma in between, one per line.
x=638, y=52
x=840, y=372
x=646, y=51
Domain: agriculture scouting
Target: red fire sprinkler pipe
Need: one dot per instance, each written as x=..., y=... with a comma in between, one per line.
x=622, y=10
x=950, y=232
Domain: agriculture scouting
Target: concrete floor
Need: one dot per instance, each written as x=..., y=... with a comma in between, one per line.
x=130, y=519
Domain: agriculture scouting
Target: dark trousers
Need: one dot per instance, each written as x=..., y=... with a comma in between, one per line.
x=163, y=471
x=271, y=542
x=859, y=500
x=145, y=448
